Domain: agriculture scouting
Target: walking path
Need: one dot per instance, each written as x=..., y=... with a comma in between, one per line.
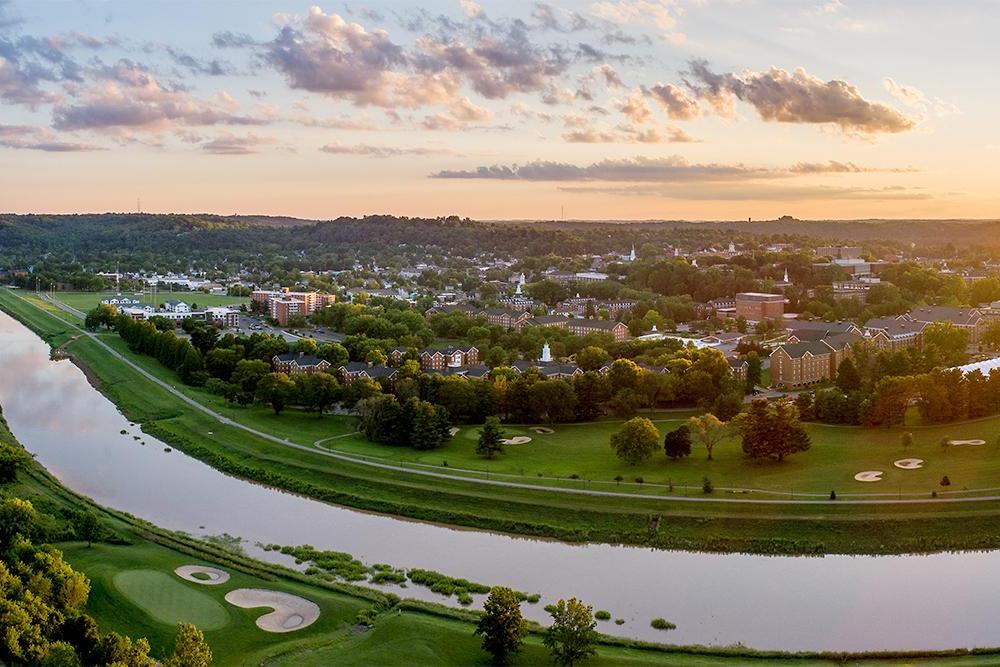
x=475, y=480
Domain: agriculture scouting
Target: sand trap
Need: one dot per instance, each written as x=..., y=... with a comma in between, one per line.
x=909, y=464
x=214, y=574
x=869, y=476
x=517, y=440
x=974, y=443
x=290, y=611
x=453, y=431
x=542, y=430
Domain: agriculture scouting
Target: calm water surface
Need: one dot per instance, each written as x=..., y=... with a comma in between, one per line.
x=832, y=603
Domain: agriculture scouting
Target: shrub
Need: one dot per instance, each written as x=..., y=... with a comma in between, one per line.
x=619, y=621
x=945, y=481
x=662, y=624
x=602, y=615
x=706, y=485
x=833, y=495
x=639, y=480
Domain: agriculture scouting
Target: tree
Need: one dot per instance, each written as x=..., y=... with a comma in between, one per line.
x=490, y=438
x=12, y=459
x=248, y=373
x=87, y=526
x=677, y=443
x=305, y=346
x=572, y=635
x=317, y=391
x=848, y=378
x=591, y=358
x=906, y=439
x=636, y=441
x=276, y=389
x=947, y=342
x=335, y=353
x=708, y=430
x=501, y=626
x=190, y=648
x=771, y=430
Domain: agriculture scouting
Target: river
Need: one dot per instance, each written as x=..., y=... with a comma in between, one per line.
x=841, y=603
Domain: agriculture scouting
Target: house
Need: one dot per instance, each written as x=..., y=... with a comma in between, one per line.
x=739, y=367
x=121, y=301
x=452, y=357
x=174, y=306
x=548, y=369
x=352, y=370
x=801, y=364
x=892, y=333
x=293, y=364
x=968, y=319
x=581, y=327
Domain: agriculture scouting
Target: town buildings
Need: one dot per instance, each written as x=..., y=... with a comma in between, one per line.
x=284, y=304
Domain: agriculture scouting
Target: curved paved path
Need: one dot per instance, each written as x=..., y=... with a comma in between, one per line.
x=488, y=482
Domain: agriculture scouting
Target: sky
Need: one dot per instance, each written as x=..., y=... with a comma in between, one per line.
x=592, y=109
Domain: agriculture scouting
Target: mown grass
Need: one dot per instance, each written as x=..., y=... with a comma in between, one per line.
x=86, y=300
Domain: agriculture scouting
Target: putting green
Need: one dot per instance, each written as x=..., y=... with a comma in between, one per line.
x=169, y=601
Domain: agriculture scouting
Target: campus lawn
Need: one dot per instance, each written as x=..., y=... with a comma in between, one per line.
x=86, y=300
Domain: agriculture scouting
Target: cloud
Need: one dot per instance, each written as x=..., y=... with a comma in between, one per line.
x=796, y=97
x=40, y=139
x=756, y=192
x=634, y=107
x=660, y=13
x=914, y=98
x=677, y=104
x=214, y=67
x=126, y=97
x=827, y=8
x=471, y=9
x=834, y=167
x=627, y=134
x=383, y=151
x=230, y=144
x=232, y=40
x=674, y=169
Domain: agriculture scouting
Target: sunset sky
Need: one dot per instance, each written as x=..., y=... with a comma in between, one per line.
x=696, y=109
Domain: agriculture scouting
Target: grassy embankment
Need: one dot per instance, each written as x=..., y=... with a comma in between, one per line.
x=828, y=527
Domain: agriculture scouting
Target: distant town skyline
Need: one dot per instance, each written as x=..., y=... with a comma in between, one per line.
x=598, y=109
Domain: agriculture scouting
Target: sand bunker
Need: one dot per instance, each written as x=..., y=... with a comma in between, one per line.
x=517, y=440
x=542, y=430
x=869, y=476
x=290, y=611
x=453, y=431
x=974, y=443
x=909, y=464
x=214, y=575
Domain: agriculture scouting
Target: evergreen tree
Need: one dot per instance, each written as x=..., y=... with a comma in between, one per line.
x=490, y=438
x=677, y=443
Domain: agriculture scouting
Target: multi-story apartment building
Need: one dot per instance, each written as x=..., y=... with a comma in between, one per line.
x=284, y=304
x=760, y=306
x=893, y=333
x=969, y=319
x=293, y=364
x=582, y=327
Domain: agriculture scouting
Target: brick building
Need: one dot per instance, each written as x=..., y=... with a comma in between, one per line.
x=760, y=306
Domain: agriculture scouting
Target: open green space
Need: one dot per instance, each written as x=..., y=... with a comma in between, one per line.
x=169, y=600
x=651, y=514
x=86, y=300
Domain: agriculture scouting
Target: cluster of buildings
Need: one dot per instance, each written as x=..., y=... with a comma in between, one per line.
x=173, y=310
x=814, y=350
x=518, y=319
x=282, y=305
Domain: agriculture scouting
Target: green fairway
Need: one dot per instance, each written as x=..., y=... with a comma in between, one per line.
x=168, y=600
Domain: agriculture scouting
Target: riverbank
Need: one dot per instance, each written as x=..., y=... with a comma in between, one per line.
x=775, y=529
x=402, y=630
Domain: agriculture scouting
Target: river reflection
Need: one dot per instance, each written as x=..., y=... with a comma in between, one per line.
x=832, y=603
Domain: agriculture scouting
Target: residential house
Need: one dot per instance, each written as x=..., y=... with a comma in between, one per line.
x=293, y=364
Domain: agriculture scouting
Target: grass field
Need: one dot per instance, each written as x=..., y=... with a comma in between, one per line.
x=169, y=600
x=86, y=300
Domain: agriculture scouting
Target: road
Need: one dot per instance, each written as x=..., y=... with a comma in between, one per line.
x=487, y=482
